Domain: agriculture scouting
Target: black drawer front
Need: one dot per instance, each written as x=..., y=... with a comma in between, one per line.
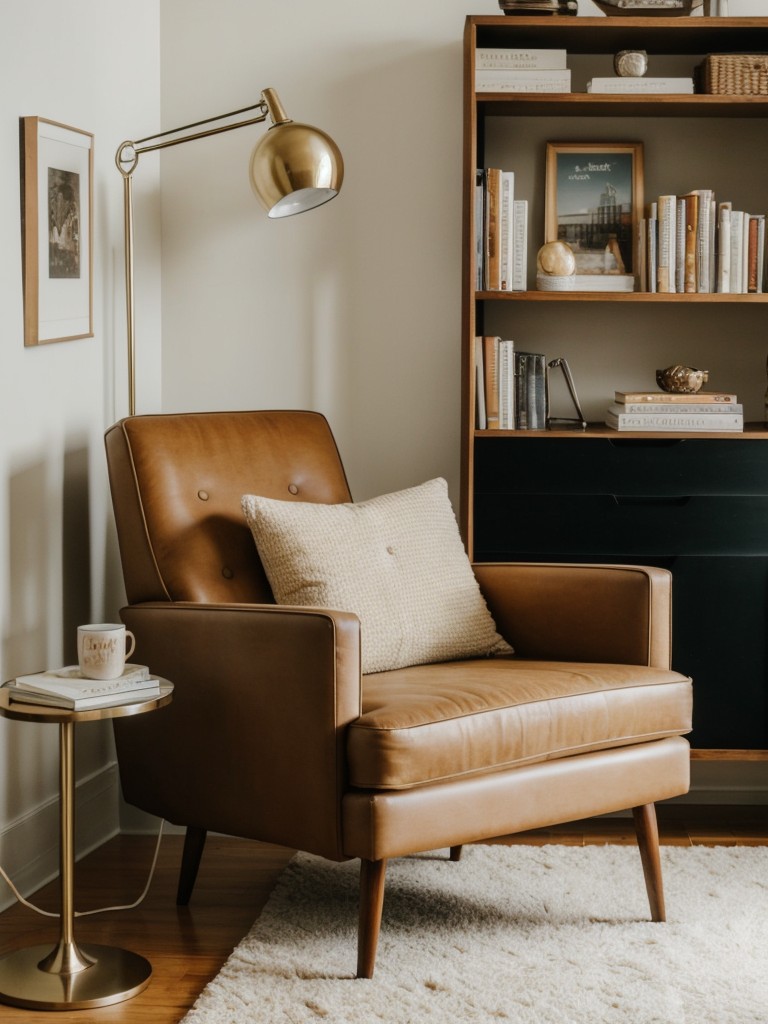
x=602, y=465
x=585, y=525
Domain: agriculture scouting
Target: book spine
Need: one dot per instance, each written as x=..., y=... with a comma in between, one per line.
x=639, y=86
x=737, y=230
x=652, y=250
x=506, y=374
x=509, y=84
x=682, y=423
x=680, y=246
x=479, y=230
x=652, y=408
x=724, y=249
x=703, y=241
x=491, y=377
x=672, y=398
x=520, y=245
x=507, y=228
x=481, y=416
x=492, y=229
x=754, y=260
x=487, y=58
x=760, y=252
x=665, y=276
x=691, y=232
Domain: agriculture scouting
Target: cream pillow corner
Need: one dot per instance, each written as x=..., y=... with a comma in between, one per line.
x=396, y=561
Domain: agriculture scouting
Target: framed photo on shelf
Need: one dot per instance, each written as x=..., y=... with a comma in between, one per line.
x=594, y=202
x=56, y=231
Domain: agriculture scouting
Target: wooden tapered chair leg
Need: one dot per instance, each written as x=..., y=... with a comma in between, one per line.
x=647, y=831
x=372, y=875
x=455, y=853
x=194, y=843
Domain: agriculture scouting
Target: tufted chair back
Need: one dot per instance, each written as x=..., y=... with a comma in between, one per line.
x=177, y=482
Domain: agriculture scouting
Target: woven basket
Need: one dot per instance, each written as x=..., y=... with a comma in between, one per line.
x=735, y=74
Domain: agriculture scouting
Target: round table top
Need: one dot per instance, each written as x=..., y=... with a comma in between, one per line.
x=43, y=713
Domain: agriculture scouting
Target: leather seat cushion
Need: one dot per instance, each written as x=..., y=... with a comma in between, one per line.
x=430, y=723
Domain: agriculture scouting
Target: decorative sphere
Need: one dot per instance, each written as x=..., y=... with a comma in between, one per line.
x=557, y=259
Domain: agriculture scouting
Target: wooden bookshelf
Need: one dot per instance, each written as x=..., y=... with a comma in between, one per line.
x=519, y=478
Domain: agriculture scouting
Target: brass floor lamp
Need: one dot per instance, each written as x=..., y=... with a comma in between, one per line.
x=294, y=167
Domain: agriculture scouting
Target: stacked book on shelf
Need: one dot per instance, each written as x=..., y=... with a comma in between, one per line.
x=692, y=243
x=633, y=85
x=501, y=232
x=530, y=70
x=68, y=688
x=702, y=412
x=510, y=386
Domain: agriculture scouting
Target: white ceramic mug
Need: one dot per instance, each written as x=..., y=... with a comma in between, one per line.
x=101, y=649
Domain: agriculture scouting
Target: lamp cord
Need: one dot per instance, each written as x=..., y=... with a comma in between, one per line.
x=99, y=910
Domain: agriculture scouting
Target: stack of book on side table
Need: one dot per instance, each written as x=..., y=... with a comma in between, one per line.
x=703, y=412
x=68, y=688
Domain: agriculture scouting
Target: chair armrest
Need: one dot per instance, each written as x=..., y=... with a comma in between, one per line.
x=607, y=613
x=252, y=743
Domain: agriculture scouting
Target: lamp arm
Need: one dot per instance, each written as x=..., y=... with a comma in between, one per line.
x=127, y=159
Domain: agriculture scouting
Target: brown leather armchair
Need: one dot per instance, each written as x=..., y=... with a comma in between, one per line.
x=271, y=722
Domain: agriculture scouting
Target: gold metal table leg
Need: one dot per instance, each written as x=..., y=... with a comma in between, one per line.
x=70, y=977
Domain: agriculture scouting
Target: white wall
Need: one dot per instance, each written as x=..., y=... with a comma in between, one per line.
x=93, y=65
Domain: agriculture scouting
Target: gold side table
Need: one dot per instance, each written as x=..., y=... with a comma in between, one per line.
x=72, y=977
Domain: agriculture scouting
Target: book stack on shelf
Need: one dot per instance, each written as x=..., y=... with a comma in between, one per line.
x=501, y=232
x=68, y=688
x=702, y=412
x=692, y=244
x=510, y=386
x=641, y=85
x=505, y=70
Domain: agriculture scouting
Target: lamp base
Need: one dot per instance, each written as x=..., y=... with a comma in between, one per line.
x=115, y=975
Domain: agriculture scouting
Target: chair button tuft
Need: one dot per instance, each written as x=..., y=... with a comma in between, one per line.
x=293, y=488
x=227, y=573
x=203, y=495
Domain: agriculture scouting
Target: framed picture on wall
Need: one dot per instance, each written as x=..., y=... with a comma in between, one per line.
x=594, y=202
x=56, y=231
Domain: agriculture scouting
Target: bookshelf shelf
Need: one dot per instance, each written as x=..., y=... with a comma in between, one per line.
x=695, y=503
x=608, y=105
x=675, y=299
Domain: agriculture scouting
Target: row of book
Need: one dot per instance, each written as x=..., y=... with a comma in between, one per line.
x=702, y=412
x=501, y=232
x=510, y=386
x=692, y=243
x=68, y=688
x=502, y=69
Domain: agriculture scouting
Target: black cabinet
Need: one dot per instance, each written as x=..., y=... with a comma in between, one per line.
x=696, y=506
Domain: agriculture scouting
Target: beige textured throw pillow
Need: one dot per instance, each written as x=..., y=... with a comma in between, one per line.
x=397, y=561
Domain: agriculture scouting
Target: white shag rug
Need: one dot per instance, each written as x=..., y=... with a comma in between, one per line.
x=510, y=935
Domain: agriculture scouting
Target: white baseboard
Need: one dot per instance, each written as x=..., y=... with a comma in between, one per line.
x=29, y=846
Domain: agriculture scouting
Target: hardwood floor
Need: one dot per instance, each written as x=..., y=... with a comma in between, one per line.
x=187, y=945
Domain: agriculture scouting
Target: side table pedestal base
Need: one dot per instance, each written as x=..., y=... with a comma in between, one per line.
x=115, y=974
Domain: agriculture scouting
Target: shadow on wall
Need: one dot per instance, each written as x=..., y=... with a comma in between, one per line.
x=28, y=645
x=76, y=550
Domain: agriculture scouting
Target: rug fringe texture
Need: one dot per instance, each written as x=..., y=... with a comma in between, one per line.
x=509, y=935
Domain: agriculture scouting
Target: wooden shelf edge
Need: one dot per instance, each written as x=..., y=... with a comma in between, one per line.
x=674, y=297
x=754, y=431
x=707, y=754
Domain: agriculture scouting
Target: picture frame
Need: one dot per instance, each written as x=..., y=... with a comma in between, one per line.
x=56, y=230
x=594, y=202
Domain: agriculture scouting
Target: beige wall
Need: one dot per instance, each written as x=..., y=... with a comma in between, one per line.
x=94, y=65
